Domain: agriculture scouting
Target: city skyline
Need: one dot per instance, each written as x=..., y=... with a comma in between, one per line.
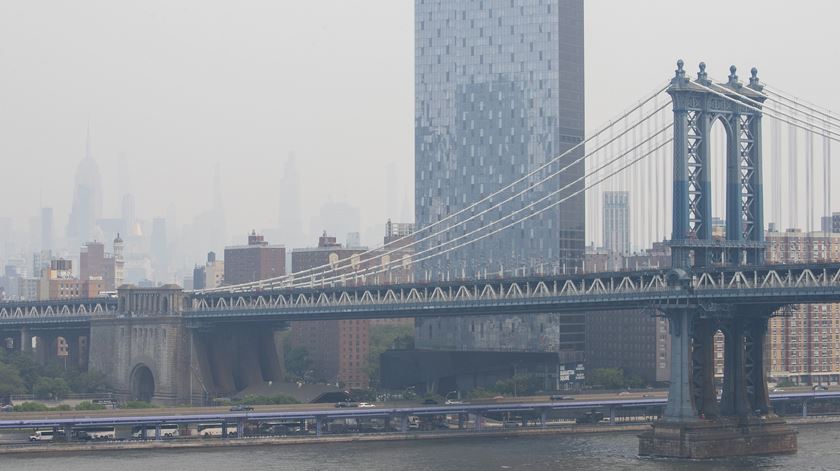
x=588, y=212
x=128, y=145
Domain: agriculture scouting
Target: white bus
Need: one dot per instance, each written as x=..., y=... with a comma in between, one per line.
x=166, y=431
x=44, y=435
x=215, y=430
x=94, y=433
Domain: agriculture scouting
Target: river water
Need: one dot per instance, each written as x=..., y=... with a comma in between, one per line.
x=819, y=449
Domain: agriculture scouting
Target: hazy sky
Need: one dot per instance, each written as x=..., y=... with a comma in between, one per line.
x=170, y=88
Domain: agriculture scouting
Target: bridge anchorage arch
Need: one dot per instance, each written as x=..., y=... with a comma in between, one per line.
x=697, y=423
x=142, y=383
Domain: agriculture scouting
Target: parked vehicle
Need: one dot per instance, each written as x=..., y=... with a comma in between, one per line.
x=346, y=404
x=590, y=418
x=366, y=405
x=44, y=435
x=166, y=431
x=241, y=408
x=560, y=397
x=94, y=433
x=215, y=430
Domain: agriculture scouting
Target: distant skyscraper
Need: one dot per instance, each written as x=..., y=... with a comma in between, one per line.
x=835, y=222
x=291, y=233
x=159, y=246
x=87, y=199
x=218, y=227
x=392, y=191
x=129, y=216
x=354, y=239
x=47, y=230
x=617, y=221
x=336, y=218
x=119, y=261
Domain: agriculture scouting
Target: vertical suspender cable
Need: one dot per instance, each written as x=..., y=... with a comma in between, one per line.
x=776, y=159
x=793, y=195
x=658, y=162
x=809, y=181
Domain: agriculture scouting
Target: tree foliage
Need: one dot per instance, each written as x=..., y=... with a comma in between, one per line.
x=520, y=385
x=297, y=362
x=50, y=388
x=382, y=338
x=614, y=378
x=20, y=373
x=10, y=381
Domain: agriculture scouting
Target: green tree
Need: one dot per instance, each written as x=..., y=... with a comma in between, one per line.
x=87, y=382
x=607, y=378
x=520, y=385
x=50, y=388
x=297, y=361
x=10, y=382
x=26, y=366
x=382, y=338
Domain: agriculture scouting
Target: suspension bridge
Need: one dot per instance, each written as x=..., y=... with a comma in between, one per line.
x=691, y=155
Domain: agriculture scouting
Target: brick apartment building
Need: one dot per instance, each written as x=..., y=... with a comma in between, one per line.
x=256, y=261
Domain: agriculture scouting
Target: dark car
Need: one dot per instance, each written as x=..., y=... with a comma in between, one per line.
x=346, y=404
x=241, y=408
x=590, y=418
x=558, y=397
x=430, y=402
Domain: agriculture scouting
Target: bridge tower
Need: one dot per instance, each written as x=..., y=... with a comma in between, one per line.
x=699, y=423
x=696, y=110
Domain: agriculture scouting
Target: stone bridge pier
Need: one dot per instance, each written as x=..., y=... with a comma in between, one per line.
x=149, y=351
x=699, y=422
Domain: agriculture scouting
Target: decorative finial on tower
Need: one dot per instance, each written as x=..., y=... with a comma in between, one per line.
x=755, y=83
x=702, y=76
x=733, y=77
x=679, y=74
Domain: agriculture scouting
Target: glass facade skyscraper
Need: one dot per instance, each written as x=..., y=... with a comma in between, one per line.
x=499, y=91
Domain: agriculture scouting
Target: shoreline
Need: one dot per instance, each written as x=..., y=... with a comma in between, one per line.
x=198, y=443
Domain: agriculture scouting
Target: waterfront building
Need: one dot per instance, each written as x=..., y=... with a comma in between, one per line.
x=804, y=340
x=499, y=91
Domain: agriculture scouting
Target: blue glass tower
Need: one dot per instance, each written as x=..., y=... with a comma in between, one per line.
x=499, y=91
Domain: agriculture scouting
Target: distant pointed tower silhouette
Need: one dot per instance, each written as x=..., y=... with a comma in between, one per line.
x=87, y=198
x=219, y=236
x=289, y=218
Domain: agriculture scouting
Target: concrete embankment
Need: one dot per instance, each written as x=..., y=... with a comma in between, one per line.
x=198, y=443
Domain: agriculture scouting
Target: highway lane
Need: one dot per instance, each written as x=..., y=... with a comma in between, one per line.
x=176, y=411
x=185, y=414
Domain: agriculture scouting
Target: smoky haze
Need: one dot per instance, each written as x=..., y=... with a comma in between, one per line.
x=169, y=90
